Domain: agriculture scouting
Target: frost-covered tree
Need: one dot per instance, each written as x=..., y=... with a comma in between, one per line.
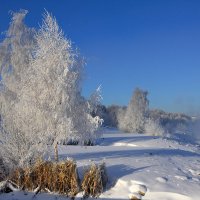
x=133, y=120
x=153, y=128
x=112, y=115
x=171, y=122
x=95, y=100
x=17, y=144
x=41, y=98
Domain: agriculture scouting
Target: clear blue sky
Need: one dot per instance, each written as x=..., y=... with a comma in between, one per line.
x=151, y=44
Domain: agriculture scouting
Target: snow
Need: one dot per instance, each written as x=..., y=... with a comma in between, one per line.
x=135, y=196
x=158, y=168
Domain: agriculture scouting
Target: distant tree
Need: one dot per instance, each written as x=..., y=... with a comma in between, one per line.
x=95, y=101
x=40, y=94
x=153, y=128
x=109, y=114
x=171, y=122
x=134, y=117
x=113, y=115
x=121, y=112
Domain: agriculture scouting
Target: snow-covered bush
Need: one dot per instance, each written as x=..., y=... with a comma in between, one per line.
x=135, y=115
x=153, y=128
x=40, y=92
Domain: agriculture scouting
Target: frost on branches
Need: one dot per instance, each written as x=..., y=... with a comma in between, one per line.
x=40, y=92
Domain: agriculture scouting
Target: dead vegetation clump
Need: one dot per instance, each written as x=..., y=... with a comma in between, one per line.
x=47, y=176
x=67, y=179
x=57, y=177
x=95, y=180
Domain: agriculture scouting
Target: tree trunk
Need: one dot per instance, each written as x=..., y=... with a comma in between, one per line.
x=56, y=152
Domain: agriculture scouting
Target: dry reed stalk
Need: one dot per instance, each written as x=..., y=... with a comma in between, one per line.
x=17, y=177
x=2, y=171
x=68, y=181
x=28, y=179
x=94, y=181
x=42, y=174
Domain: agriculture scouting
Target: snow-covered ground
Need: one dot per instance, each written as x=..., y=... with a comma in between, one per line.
x=168, y=169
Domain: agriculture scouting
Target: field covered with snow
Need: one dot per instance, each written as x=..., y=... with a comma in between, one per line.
x=167, y=168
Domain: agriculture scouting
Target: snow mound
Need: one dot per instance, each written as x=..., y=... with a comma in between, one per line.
x=135, y=196
x=136, y=188
x=183, y=178
x=166, y=196
x=162, y=179
x=194, y=172
x=118, y=144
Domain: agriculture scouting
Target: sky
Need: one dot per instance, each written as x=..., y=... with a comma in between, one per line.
x=150, y=44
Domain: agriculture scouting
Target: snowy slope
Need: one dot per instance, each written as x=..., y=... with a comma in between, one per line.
x=167, y=169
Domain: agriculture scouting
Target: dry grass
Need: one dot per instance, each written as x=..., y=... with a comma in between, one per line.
x=59, y=177
x=94, y=181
